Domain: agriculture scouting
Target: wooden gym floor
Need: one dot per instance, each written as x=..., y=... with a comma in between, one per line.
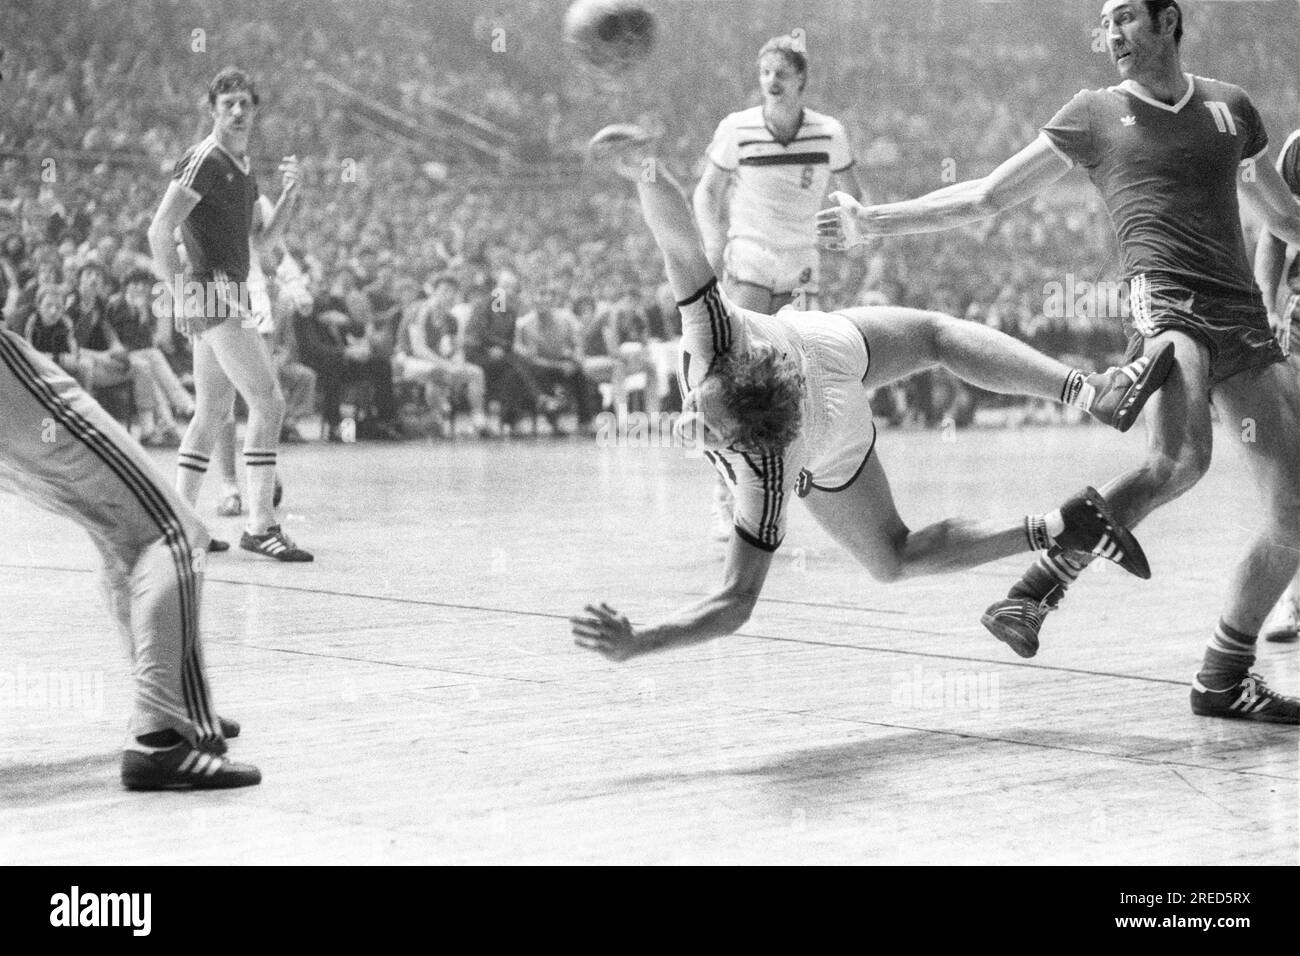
x=414, y=695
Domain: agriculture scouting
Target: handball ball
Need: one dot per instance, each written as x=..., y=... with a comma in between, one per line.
x=611, y=35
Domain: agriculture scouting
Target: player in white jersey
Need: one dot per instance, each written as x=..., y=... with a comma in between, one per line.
x=1277, y=271
x=779, y=404
x=777, y=160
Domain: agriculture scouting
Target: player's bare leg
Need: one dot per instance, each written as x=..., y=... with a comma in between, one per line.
x=864, y=519
x=904, y=341
x=1264, y=404
x=214, y=397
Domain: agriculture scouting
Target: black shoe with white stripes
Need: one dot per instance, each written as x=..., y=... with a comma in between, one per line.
x=1248, y=699
x=1123, y=390
x=183, y=767
x=274, y=544
x=1090, y=527
x=1016, y=621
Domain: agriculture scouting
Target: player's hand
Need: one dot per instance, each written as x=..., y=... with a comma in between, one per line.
x=290, y=173
x=625, y=148
x=601, y=628
x=839, y=227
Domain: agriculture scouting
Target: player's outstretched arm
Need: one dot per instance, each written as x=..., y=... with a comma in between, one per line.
x=663, y=204
x=1029, y=172
x=602, y=629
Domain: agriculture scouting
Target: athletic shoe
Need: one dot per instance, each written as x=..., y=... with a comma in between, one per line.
x=274, y=544
x=1282, y=626
x=1123, y=390
x=1090, y=527
x=1016, y=621
x=217, y=745
x=183, y=767
x=216, y=546
x=1248, y=699
x=230, y=506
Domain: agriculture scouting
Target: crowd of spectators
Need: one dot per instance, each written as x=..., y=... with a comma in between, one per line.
x=532, y=290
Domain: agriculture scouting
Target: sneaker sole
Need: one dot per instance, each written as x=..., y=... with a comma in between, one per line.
x=1147, y=384
x=218, y=782
x=1135, y=562
x=1259, y=718
x=1024, y=644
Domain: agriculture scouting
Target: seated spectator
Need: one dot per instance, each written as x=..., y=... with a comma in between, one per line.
x=337, y=350
x=615, y=345
x=431, y=351
x=549, y=340
x=49, y=330
x=489, y=343
x=103, y=361
x=132, y=318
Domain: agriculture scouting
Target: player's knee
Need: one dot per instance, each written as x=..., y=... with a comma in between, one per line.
x=1176, y=474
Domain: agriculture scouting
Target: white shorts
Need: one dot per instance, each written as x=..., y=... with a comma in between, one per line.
x=836, y=361
x=781, y=271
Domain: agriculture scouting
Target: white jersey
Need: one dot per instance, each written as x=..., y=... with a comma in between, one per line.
x=779, y=184
x=836, y=433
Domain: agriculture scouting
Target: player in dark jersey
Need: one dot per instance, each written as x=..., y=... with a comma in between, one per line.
x=1277, y=271
x=1168, y=152
x=213, y=200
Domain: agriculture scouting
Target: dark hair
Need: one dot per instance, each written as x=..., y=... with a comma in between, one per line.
x=763, y=390
x=231, y=80
x=445, y=278
x=137, y=276
x=1156, y=7
x=791, y=49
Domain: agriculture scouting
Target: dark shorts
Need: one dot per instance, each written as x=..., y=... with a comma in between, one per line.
x=1233, y=329
x=214, y=301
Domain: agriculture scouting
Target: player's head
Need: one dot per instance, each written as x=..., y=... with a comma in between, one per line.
x=1142, y=36
x=232, y=99
x=782, y=68
x=751, y=402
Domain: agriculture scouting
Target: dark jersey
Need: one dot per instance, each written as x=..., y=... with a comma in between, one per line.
x=1168, y=175
x=54, y=340
x=216, y=231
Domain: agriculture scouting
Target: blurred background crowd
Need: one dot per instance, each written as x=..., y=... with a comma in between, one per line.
x=452, y=255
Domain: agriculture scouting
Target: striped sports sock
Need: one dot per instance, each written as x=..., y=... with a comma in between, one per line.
x=1076, y=390
x=1054, y=569
x=1228, y=657
x=190, y=469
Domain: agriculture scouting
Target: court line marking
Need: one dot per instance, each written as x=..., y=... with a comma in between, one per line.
x=992, y=738
x=550, y=615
